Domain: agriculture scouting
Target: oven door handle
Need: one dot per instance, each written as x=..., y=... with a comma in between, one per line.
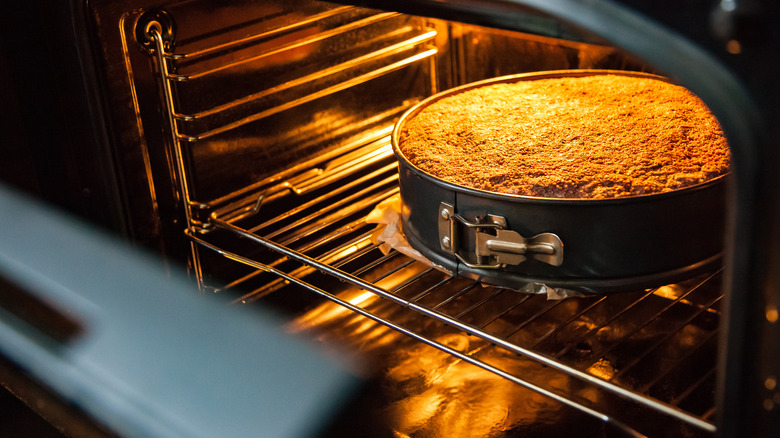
x=44, y=313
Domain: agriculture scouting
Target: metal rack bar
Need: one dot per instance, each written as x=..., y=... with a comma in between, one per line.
x=455, y=296
x=639, y=327
x=239, y=42
x=505, y=311
x=356, y=80
x=680, y=359
x=366, y=248
x=708, y=375
x=226, y=203
x=568, y=321
x=357, y=254
x=395, y=270
x=661, y=340
x=479, y=303
x=320, y=74
x=183, y=184
x=318, y=37
x=411, y=280
x=377, y=262
x=162, y=65
x=550, y=305
x=595, y=329
x=469, y=329
x=428, y=291
x=333, y=217
x=332, y=257
x=335, y=206
x=314, y=228
x=445, y=348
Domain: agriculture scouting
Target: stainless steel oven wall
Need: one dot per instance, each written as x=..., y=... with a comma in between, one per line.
x=255, y=88
x=312, y=210
x=283, y=101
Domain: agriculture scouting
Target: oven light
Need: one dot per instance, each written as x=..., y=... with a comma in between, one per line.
x=771, y=313
x=734, y=47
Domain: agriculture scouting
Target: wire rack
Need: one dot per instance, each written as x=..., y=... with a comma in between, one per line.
x=652, y=349
x=628, y=360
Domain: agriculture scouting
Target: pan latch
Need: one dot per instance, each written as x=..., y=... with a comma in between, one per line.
x=495, y=245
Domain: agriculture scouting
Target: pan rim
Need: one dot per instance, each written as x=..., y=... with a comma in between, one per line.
x=411, y=112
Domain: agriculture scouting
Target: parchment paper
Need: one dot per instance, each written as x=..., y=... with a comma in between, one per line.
x=389, y=235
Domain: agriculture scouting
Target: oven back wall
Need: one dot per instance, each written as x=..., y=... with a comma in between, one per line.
x=258, y=87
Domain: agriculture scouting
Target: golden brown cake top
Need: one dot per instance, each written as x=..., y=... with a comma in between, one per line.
x=601, y=136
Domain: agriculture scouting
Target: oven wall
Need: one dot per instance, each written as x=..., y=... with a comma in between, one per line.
x=285, y=94
x=54, y=143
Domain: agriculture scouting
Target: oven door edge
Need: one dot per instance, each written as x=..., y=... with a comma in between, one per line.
x=140, y=350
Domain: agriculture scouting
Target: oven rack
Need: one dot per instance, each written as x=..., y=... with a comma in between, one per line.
x=348, y=193
x=611, y=421
x=155, y=30
x=305, y=234
x=193, y=65
x=313, y=264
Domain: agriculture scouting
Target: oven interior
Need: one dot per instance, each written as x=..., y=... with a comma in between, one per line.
x=253, y=139
x=277, y=138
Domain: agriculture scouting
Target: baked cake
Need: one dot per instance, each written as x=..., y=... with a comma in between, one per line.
x=600, y=136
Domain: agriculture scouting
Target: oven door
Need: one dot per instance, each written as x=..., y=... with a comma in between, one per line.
x=139, y=351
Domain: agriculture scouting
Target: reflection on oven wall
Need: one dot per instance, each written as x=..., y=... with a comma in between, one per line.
x=270, y=106
x=253, y=106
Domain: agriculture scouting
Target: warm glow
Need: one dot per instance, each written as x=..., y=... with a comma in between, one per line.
x=734, y=47
x=771, y=313
x=671, y=292
x=330, y=312
x=346, y=252
x=446, y=397
x=603, y=368
x=434, y=393
x=358, y=300
x=391, y=282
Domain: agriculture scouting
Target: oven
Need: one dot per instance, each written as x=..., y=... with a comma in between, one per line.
x=247, y=142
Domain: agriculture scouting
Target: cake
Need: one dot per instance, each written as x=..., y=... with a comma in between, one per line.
x=598, y=136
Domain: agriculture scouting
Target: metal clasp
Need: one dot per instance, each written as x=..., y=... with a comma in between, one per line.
x=495, y=245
